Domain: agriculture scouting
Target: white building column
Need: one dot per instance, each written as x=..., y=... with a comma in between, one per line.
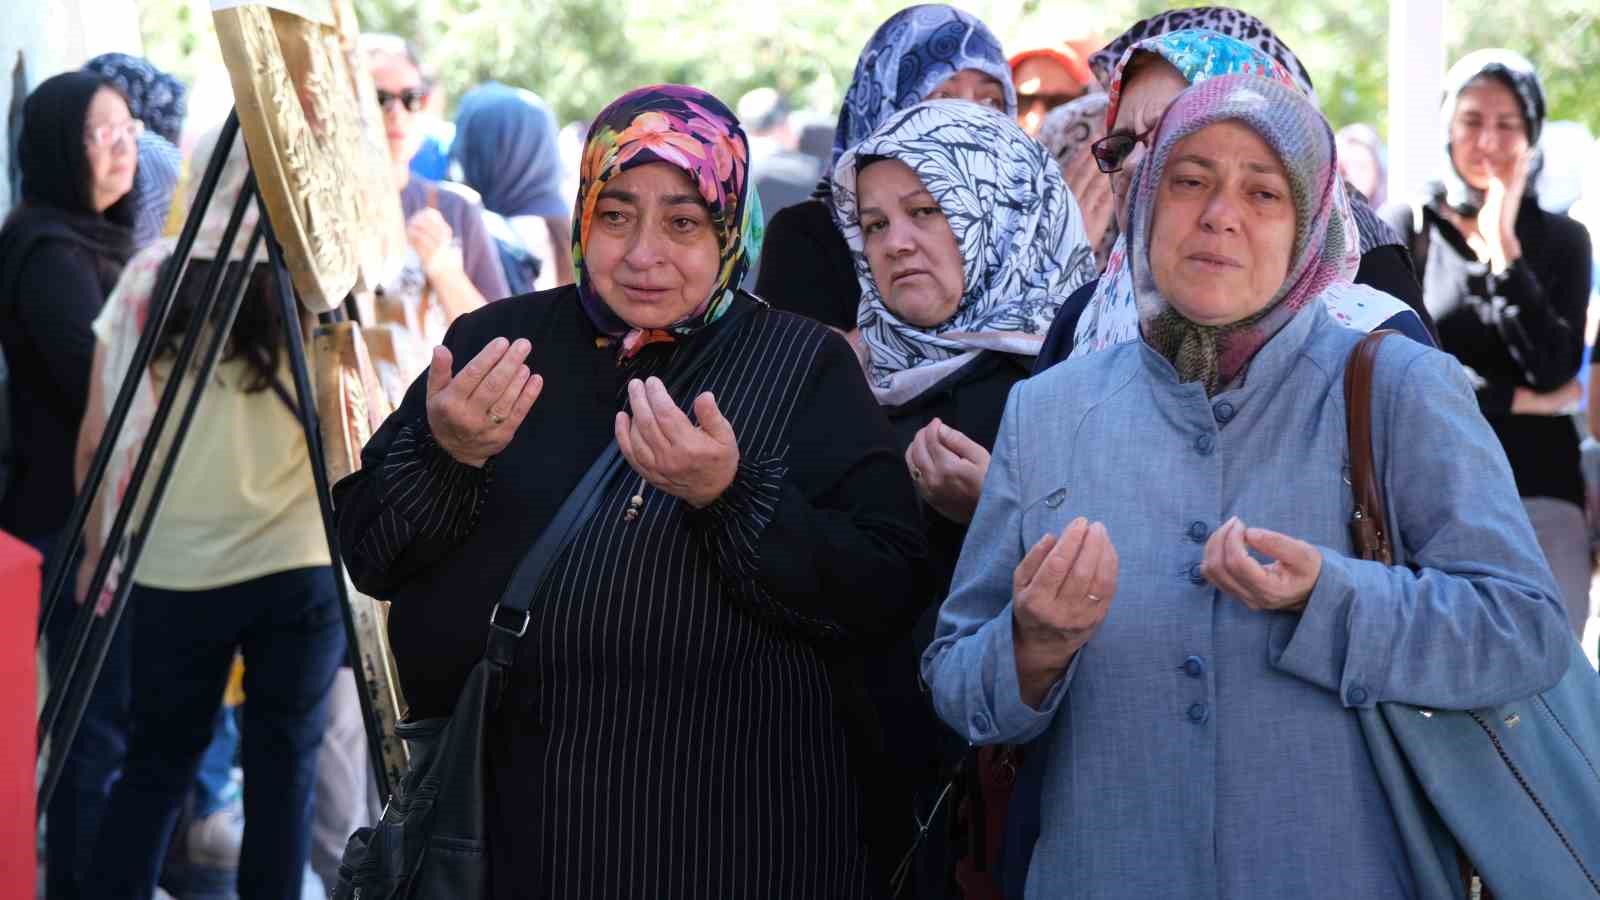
x=1416, y=87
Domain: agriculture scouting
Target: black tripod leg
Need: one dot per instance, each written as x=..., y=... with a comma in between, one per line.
x=80, y=685
x=307, y=402
x=160, y=305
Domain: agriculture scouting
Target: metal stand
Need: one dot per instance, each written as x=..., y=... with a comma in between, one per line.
x=73, y=684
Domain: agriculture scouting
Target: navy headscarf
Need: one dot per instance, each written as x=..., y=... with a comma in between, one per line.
x=155, y=98
x=913, y=52
x=506, y=148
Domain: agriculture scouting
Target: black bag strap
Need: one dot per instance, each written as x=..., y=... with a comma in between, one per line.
x=530, y=572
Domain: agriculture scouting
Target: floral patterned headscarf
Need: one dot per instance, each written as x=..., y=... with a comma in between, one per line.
x=1023, y=247
x=694, y=131
x=1303, y=142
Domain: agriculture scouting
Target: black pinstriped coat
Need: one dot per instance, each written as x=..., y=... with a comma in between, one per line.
x=684, y=719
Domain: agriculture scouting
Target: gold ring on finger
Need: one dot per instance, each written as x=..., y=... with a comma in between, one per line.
x=916, y=474
x=496, y=418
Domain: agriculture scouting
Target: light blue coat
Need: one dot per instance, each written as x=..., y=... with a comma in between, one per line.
x=1197, y=749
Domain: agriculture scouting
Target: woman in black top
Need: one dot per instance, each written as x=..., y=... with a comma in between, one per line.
x=682, y=718
x=61, y=251
x=923, y=52
x=1508, y=283
x=966, y=240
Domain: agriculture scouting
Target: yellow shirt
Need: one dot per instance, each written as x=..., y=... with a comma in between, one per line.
x=241, y=503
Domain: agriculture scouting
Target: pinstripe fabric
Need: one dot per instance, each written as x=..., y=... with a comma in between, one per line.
x=691, y=747
x=686, y=716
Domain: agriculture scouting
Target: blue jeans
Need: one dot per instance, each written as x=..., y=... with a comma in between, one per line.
x=288, y=626
x=92, y=763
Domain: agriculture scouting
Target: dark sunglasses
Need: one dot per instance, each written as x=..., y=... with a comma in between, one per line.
x=1111, y=151
x=411, y=98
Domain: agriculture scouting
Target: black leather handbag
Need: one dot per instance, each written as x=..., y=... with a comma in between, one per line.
x=431, y=843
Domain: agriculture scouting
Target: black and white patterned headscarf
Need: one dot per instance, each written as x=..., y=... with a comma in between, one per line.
x=1023, y=247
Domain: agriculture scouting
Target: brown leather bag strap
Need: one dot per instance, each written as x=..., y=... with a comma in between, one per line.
x=1367, y=526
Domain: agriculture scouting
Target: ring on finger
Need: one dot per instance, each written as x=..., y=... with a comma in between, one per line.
x=916, y=474
x=496, y=418
x=1092, y=598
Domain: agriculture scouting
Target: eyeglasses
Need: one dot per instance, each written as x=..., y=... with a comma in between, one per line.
x=411, y=98
x=111, y=135
x=1111, y=151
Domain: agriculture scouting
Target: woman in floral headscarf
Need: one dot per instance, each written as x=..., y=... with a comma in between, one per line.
x=677, y=721
x=1150, y=73
x=926, y=52
x=1195, y=654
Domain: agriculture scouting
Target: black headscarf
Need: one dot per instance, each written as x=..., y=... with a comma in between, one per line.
x=56, y=197
x=1516, y=73
x=156, y=98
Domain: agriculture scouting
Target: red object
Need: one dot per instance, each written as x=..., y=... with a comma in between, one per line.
x=19, y=623
x=1065, y=55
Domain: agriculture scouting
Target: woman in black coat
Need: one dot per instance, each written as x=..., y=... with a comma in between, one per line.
x=61, y=252
x=966, y=240
x=1508, y=284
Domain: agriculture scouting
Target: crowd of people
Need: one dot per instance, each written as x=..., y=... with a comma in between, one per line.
x=984, y=522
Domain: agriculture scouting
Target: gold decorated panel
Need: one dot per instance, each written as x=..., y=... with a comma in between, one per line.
x=300, y=111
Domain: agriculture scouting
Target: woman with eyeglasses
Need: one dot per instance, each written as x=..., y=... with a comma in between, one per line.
x=1143, y=81
x=454, y=258
x=61, y=251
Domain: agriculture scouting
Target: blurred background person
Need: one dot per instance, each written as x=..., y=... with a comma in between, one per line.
x=1363, y=162
x=1068, y=133
x=505, y=149
x=236, y=560
x=160, y=101
x=1047, y=77
x=454, y=259
x=61, y=252
x=1508, y=284
x=783, y=175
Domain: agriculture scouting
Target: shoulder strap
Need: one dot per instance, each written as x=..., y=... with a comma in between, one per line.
x=1367, y=527
x=530, y=572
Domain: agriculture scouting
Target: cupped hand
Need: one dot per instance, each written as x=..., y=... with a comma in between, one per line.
x=947, y=468
x=1281, y=586
x=1060, y=594
x=474, y=414
x=694, y=463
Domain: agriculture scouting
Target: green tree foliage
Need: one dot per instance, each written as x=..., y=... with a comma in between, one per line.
x=579, y=54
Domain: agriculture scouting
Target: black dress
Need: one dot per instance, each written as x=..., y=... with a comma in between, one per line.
x=1520, y=328
x=972, y=401
x=682, y=720
x=806, y=266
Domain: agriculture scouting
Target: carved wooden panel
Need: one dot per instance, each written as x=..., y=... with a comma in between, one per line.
x=351, y=404
x=300, y=103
